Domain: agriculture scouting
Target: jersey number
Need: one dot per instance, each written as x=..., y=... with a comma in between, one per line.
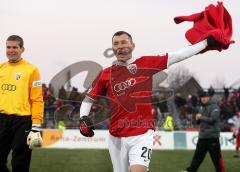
x=146, y=152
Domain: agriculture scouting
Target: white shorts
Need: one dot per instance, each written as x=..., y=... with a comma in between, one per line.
x=128, y=151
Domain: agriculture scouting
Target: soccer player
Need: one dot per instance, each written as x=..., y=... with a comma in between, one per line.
x=128, y=85
x=208, y=139
x=236, y=133
x=21, y=107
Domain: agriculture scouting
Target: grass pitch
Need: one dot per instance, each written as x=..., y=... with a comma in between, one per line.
x=64, y=160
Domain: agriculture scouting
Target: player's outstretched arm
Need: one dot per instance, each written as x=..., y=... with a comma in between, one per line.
x=186, y=52
x=85, y=123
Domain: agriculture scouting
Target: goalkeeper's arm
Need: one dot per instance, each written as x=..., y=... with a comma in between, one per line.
x=34, y=138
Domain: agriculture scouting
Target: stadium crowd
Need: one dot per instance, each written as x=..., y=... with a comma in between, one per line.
x=63, y=111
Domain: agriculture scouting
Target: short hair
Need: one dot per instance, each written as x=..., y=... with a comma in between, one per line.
x=119, y=33
x=16, y=38
x=203, y=93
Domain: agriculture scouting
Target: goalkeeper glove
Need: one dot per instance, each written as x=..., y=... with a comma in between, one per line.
x=34, y=138
x=86, y=126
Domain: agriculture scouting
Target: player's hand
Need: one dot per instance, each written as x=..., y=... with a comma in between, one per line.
x=211, y=41
x=86, y=126
x=198, y=116
x=34, y=138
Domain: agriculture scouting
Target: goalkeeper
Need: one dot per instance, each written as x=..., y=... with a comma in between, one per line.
x=21, y=107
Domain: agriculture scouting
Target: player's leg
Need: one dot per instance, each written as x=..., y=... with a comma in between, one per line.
x=237, y=144
x=138, y=168
x=140, y=150
x=118, y=154
x=21, y=155
x=5, y=143
x=198, y=156
x=216, y=156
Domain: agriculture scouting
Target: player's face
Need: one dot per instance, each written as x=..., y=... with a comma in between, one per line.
x=122, y=47
x=205, y=99
x=13, y=51
x=238, y=114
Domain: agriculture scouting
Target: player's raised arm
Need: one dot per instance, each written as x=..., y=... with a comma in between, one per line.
x=186, y=52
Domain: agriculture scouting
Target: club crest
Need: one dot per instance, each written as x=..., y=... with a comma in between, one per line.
x=132, y=68
x=18, y=76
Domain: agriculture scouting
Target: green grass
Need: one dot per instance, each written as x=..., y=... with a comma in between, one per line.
x=63, y=160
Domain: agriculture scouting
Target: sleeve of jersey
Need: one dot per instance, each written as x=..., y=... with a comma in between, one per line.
x=98, y=87
x=36, y=98
x=156, y=62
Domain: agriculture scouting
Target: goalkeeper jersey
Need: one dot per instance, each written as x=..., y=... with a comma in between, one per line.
x=129, y=92
x=21, y=90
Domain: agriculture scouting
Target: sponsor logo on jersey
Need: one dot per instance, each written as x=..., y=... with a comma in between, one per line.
x=130, y=90
x=8, y=87
x=37, y=83
x=124, y=85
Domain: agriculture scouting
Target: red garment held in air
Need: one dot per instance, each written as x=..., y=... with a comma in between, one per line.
x=215, y=21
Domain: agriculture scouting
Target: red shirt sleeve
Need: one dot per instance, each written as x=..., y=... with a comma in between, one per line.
x=99, y=86
x=155, y=62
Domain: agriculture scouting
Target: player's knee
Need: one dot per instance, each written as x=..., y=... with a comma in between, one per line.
x=138, y=168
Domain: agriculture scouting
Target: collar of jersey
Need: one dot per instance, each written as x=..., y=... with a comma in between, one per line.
x=129, y=61
x=16, y=63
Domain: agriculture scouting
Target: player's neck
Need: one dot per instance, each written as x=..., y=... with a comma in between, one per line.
x=124, y=63
x=130, y=60
x=16, y=60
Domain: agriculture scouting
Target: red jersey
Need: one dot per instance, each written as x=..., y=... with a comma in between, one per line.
x=129, y=91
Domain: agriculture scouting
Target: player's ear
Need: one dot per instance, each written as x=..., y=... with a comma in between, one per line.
x=23, y=49
x=133, y=45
